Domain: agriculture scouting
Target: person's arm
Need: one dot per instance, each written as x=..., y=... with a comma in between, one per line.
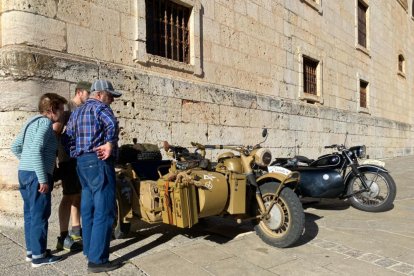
x=58, y=127
x=43, y=134
x=17, y=145
x=110, y=123
x=68, y=137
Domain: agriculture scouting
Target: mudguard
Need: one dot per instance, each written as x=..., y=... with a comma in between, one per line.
x=290, y=179
x=365, y=168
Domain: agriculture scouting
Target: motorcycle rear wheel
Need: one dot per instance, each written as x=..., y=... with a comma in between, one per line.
x=287, y=219
x=381, y=195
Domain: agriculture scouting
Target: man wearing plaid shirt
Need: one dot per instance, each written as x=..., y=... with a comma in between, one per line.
x=92, y=133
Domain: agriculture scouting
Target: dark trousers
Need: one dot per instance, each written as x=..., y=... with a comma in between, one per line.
x=97, y=206
x=36, y=209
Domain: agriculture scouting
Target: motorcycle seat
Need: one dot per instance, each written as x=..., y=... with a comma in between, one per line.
x=303, y=159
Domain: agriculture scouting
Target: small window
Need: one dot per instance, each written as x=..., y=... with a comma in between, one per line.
x=401, y=64
x=362, y=24
x=412, y=9
x=167, y=30
x=309, y=76
x=363, y=92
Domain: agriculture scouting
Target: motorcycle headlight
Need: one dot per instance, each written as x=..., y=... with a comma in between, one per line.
x=263, y=157
x=359, y=151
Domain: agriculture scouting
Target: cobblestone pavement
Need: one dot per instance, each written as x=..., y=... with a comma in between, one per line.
x=338, y=240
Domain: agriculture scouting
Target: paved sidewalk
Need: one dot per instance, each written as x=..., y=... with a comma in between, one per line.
x=338, y=240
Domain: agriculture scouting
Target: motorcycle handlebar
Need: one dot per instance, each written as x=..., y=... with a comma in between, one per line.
x=213, y=146
x=200, y=146
x=335, y=146
x=331, y=146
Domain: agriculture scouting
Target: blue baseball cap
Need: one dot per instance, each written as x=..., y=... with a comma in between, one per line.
x=104, y=85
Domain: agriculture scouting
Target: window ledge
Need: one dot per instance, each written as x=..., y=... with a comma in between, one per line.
x=364, y=110
x=401, y=74
x=306, y=97
x=363, y=50
x=313, y=4
x=153, y=60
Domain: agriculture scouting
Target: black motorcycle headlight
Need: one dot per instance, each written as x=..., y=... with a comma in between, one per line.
x=359, y=151
x=263, y=157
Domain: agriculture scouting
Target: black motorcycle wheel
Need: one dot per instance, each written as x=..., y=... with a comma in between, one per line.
x=287, y=219
x=381, y=195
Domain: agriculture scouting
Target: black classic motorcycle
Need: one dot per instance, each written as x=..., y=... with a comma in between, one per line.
x=368, y=187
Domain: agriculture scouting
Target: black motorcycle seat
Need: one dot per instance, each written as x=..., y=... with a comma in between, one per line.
x=303, y=159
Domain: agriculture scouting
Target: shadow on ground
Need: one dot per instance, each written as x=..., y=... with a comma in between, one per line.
x=215, y=229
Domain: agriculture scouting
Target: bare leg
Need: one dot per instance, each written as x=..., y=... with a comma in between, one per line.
x=64, y=213
x=75, y=210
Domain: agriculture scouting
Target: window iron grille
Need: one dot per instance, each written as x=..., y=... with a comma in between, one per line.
x=362, y=24
x=309, y=75
x=363, y=85
x=168, y=30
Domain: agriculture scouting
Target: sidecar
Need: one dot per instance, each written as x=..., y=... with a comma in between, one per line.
x=317, y=182
x=320, y=182
x=154, y=191
x=136, y=162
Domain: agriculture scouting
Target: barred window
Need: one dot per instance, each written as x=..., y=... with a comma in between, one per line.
x=362, y=24
x=309, y=75
x=168, y=30
x=363, y=87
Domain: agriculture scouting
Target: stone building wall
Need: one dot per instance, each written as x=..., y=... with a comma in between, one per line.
x=249, y=58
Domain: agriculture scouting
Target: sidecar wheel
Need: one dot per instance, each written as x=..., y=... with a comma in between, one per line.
x=287, y=219
x=381, y=196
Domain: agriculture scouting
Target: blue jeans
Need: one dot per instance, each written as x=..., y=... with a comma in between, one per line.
x=97, y=205
x=36, y=209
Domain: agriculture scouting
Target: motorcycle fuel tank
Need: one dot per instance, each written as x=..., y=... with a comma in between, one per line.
x=320, y=183
x=328, y=161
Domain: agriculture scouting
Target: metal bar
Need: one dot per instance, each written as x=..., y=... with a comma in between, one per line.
x=177, y=28
x=172, y=35
x=165, y=34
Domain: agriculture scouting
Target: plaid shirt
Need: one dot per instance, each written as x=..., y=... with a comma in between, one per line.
x=90, y=126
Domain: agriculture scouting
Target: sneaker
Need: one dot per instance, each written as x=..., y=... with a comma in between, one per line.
x=98, y=268
x=75, y=236
x=70, y=245
x=29, y=256
x=59, y=244
x=47, y=260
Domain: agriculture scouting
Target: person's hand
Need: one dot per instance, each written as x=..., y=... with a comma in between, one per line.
x=104, y=151
x=43, y=188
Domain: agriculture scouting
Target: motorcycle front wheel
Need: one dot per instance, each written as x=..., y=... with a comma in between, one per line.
x=379, y=198
x=286, y=220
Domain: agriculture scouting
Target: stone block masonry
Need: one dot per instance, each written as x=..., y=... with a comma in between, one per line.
x=154, y=108
x=245, y=73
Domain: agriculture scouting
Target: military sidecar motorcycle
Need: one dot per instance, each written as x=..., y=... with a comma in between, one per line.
x=182, y=191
